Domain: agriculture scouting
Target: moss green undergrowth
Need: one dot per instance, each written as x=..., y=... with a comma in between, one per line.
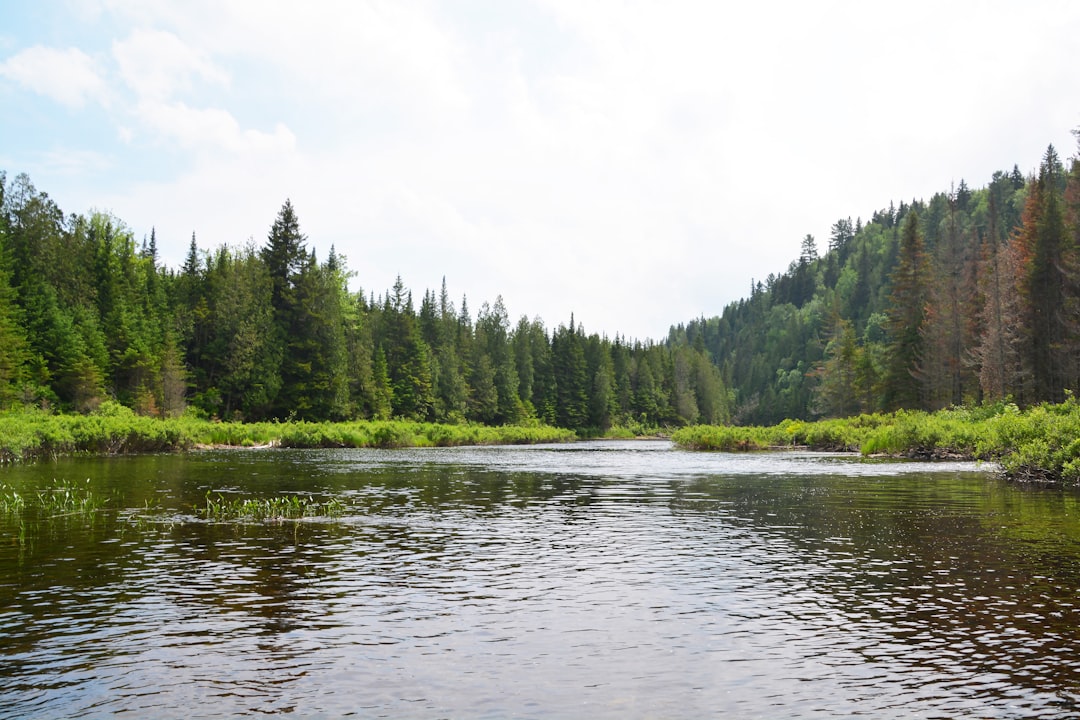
x=114, y=430
x=1039, y=443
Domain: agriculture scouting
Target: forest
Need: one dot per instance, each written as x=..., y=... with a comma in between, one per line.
x=89, y=315
x=968, y=298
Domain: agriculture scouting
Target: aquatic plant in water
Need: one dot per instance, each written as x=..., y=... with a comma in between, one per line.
x=69, y=498
x=282, y=507
x=11, y=501
x=62, y=498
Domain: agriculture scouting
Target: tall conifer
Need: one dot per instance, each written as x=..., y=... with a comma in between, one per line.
x=907, y=314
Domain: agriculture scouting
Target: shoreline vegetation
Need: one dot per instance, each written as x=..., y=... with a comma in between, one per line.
x=116, y=430
x=1039, y=444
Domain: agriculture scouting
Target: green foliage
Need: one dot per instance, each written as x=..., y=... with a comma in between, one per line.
x=1040, y=443
x=115, y=429
x=255, y=334
x=979, y=290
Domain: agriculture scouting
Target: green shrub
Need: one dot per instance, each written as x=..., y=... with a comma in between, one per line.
x=1040, y=443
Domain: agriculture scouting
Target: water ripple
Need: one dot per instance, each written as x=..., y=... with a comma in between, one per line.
x=613, y=580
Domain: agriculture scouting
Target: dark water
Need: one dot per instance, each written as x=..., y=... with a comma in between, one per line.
x=595, y=580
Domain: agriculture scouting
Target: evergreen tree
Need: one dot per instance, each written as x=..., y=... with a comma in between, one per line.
x=382, y=393
x=995, y=352
x=493, y=341
x=285, y=255
x=314, y=368
x=407, y=357
x=243, y=364
x=570, y=377
x=907, y=315
x=524, y=365
x=1044, y=285
x=14, y=349
x=286, y=258
x=836, y=393
x=685, y=399
x=945, y=372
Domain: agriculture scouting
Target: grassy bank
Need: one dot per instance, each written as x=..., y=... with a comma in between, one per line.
x=1041, y=443
x=26, y=435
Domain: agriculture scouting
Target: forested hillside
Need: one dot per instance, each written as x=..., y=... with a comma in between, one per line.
x=972, y=296
x=88, y=313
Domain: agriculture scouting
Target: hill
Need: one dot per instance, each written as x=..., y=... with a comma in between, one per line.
x=969, y=297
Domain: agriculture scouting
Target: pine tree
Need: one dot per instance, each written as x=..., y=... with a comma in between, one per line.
x=14, y=349
x=997, y=351
x=382, y=393
x=836, y=393
x=685, y=399
x=570, y=376
x=493, y=341
x=240, y=368
x=1044, y=286
x=407, y=356
x=946, y=376
x=523, y=365
x=285, y=255
x=907, y=315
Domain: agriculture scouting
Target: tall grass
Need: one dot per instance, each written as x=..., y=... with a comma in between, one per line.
x=29, y=434
x=1040, y=443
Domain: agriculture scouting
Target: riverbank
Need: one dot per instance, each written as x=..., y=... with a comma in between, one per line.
x=1040, y=444
x=29, y=435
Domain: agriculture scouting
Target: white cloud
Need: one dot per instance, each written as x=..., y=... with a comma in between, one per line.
x=70, y=77
x=356, y=54
x=211, y=129
x=157, y=64
x=634, y=162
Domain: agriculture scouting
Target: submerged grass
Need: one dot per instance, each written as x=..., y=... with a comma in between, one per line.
x=29, y=434
x=1041, y=443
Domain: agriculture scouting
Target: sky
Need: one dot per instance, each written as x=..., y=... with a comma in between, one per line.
x=635, y=164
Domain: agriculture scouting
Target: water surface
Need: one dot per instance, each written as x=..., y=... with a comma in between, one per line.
x=613, y=579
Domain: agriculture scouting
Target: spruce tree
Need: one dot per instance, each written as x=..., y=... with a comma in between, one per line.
x=907, y=315
x=1043, y=255
x=286, y=257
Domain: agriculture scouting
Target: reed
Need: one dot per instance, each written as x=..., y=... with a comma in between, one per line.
x=282, y=507
x=60, y=498
x=12, y=502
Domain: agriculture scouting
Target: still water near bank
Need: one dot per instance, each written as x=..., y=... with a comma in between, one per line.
x=612, y=579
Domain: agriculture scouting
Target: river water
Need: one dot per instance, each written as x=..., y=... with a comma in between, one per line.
x=600, y=580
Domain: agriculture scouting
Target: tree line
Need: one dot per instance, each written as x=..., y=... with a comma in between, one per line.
x=971, y=297
x=249, y=332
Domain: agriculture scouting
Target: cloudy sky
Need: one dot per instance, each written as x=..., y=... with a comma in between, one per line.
x=633, y=163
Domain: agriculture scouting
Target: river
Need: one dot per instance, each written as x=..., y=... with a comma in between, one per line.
x=599, y=579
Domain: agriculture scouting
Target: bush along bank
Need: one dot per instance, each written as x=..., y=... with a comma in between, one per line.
x=1039, y=444
x=114, y=430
